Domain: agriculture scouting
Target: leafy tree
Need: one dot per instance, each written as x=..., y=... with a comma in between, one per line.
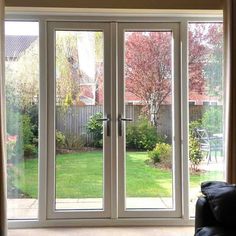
x=213, y=70
x=206, y=58
x=148, y=65
x=67, y=63
x=22, y=79
x=148, y=69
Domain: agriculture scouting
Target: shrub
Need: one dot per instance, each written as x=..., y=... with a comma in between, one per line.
x=193, y=125
x=32, y=112
x=25, y=144
x=60, y=139
x=212, y=120
x=21, y=126
x=195, y=153
x=95, y=127
x=161, y=154
x=30, y=150
x=72, y=142
x=27, y=133
x=141, y=135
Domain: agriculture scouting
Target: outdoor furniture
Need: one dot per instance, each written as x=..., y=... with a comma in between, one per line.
x=215, y=210
x=209, y=144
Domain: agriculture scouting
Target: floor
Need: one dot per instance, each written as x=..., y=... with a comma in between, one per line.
x=106, y=231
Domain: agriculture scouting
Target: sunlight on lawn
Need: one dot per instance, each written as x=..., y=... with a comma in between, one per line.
x=79, y=175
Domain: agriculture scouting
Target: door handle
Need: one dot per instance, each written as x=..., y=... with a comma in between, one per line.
x=107, y=119
x=120, y=120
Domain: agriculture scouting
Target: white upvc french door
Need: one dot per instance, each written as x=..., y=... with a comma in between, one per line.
x=98, y=71
x=78, y=51
x=153, y=45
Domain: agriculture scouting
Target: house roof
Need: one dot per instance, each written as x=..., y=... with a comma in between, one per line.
x=17, y=44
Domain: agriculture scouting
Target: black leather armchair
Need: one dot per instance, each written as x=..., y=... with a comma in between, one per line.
x=206, y=224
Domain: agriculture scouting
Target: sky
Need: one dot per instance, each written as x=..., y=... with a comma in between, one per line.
x=21, y=28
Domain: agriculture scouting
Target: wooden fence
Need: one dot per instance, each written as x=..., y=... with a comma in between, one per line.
x=74, y=119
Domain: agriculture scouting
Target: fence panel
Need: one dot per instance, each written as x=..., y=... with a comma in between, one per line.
x=74, y=119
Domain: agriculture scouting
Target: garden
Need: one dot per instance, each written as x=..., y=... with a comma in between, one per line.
x=79, y=166
x=79, y=104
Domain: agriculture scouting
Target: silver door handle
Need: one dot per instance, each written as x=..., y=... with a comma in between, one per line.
x=120, y=119
x=107, y=119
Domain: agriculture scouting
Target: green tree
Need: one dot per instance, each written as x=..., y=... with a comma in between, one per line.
x=22, y=79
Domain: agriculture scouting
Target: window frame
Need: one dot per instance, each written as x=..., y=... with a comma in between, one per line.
x=143, y=16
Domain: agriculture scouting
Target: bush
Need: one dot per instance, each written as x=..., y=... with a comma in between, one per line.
x=212, y=120
x=193, y=125
x=60, y=139
x=141, y=135
x=30, y=150
x=161, y=154
x=72, y=142
x=27, y=133
x=25, y=144
x=95, y=127
x=32, y=112
x=195, y=153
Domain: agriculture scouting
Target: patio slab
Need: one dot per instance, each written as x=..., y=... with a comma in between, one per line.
x=28, y=208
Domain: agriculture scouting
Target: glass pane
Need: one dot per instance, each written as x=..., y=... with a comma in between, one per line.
x=79, y=105
x=148, y=101
x=22, y=105
x=206, y=106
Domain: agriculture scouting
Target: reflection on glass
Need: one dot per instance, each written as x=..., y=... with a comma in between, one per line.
x=206, y=129
x=79, y=133
x=148, y=99
x=22, y=92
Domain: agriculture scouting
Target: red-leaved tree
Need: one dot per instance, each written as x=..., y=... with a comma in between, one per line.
x=148, y=64
x=148, y=60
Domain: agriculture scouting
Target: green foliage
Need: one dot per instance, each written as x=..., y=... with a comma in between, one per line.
x=141, y=135
x=27, y=137
x=161, y=154
x=27, y=133
x=72, y=142
x=212, y=120
x=33, y=112
x=30, y=150
x=195, y=154
x=26, y=144
x=22, y=79
x=95, y=127
x=193, y=125
x=68, y=100
x=60, y=139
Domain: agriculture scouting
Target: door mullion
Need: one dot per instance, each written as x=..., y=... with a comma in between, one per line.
x=42, y=124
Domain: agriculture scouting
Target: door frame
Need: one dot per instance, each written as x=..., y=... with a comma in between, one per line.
x=176, y=122
x=52, y=213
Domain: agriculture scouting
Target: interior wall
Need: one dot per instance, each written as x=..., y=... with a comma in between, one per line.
x=120, y=4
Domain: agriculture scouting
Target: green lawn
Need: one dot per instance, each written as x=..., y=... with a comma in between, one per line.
x=79, y=175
